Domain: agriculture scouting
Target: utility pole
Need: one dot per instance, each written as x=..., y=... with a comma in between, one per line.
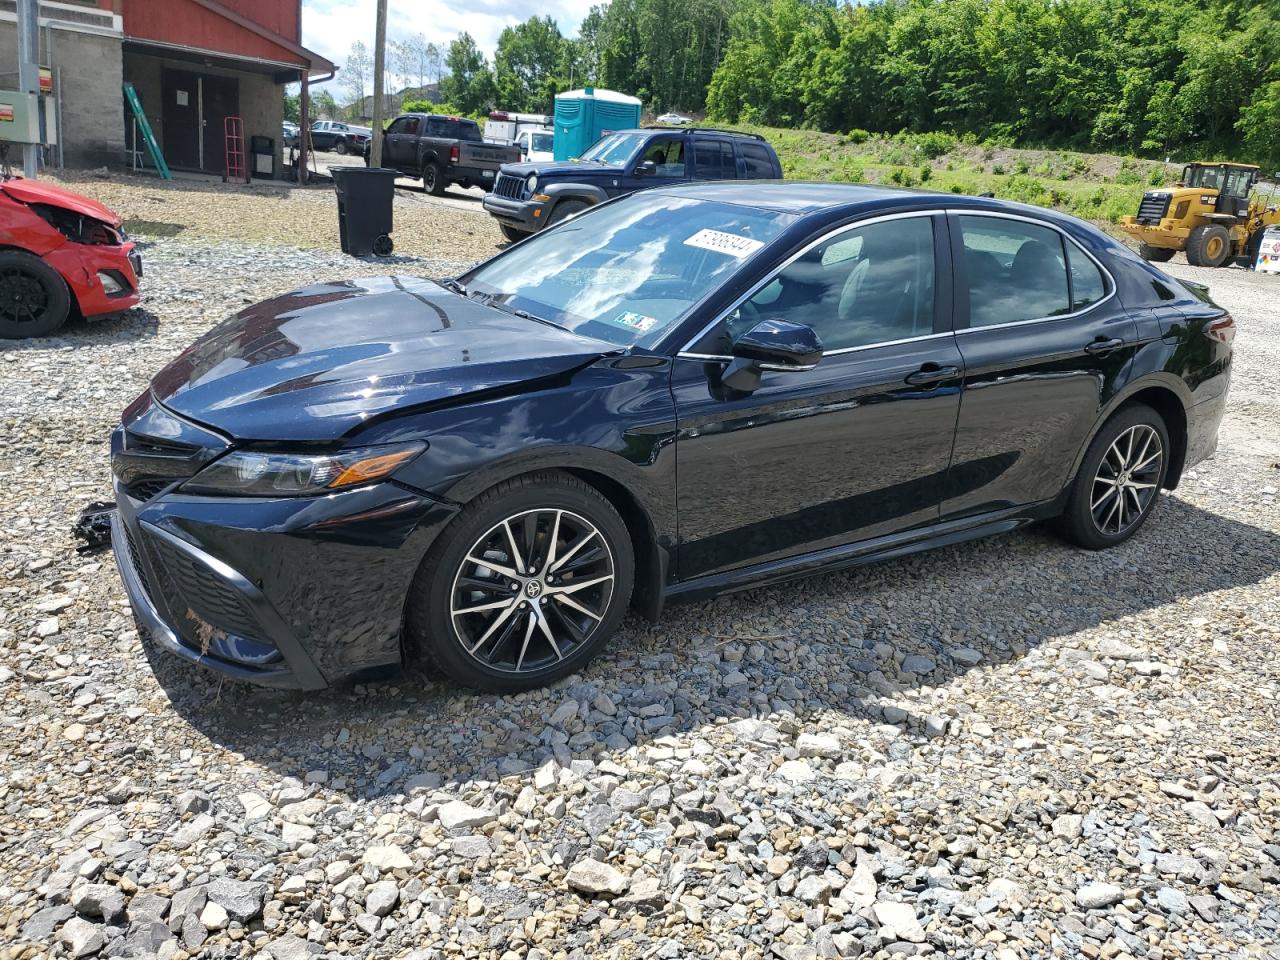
x=379, y=65
x=29, y=70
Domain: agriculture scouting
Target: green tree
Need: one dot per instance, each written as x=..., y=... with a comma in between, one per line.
x=1259, y=125
x=469, y=84
x=527, y=63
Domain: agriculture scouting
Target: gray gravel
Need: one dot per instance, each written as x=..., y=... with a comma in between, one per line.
x=1004, y=749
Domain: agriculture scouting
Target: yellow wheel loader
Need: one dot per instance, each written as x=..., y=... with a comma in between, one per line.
x=1208, y=213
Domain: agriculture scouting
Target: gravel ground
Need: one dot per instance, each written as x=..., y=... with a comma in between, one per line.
x=1004, y=749
x=206, y=210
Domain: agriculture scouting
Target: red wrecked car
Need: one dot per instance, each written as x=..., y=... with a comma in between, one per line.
x=60, y=254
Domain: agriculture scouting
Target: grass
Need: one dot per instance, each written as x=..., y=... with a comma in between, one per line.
x=1097, y=187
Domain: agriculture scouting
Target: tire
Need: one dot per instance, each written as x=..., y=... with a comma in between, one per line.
x=566, y=209
x=1155, y=254
x=340, y=148
x=1209, y=246
x=383, y=245
x=511, y=233
x=509, y=636
x=1093, y=518
x=34, y=299
x=1251, y=248
x=433, y=179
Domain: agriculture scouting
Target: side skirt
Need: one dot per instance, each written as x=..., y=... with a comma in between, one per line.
x=862, y=552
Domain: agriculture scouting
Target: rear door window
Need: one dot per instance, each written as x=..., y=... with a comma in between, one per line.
x=1088, y=285
x=756, y=162
x=1016, y=271
x=713, y=160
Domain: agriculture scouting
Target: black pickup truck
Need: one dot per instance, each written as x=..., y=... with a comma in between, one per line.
x=529, y=196
x=443, y=150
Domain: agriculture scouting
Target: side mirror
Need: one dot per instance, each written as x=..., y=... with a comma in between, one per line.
x=776, y=345
x=646, y=169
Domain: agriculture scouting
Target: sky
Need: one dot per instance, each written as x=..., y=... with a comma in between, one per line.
x=330, y=27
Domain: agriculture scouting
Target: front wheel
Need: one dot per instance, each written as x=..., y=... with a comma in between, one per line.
x=340, y=148
x=1209, y=246
x=566, y=209
x=34, y=299
x=1119, y=481
x=524, y=587
x=1155, y=254
x=511, y=233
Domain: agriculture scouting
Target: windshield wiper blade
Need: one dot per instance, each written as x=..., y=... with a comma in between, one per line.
x=526, y=315
x=454, y=285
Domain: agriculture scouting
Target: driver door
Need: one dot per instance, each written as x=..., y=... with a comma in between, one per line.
x=667, y=154
x=854, y=449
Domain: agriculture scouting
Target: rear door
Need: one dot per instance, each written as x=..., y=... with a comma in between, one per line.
x=1044, y=341
x=854, y=449
x=400, y=147
x=713, y=159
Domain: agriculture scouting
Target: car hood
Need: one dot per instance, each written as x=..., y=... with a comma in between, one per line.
x=318, y=363
x=563, y=168
x=34, y=191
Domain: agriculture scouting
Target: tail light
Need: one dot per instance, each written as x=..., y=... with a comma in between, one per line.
x=1223, y=330
x=453, y=154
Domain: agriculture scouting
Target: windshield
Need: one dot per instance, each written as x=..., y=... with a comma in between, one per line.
x=1208, y=178
x=627, y=272
x=542, y=142
x=614, y=149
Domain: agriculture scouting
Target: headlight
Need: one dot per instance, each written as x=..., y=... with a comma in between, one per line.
x=532, y=182
x=251, y=473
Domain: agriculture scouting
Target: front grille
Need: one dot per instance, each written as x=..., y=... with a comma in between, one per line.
x=190, y=586
x=144, y=490
x=513, y=188
x=1154, y=207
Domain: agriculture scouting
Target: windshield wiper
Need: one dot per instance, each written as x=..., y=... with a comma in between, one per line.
x=454, y=285
x=526, y=315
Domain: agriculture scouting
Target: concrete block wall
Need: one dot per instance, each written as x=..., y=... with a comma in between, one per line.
x=88, y=66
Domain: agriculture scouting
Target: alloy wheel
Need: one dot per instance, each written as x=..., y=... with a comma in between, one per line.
x=1127, y=479
x=531, y=590
x=23, y=298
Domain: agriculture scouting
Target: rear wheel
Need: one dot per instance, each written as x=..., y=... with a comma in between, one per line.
x=1155, y=254
x=1119, y=481
x=432, y=179
x=1209, y=246
x=525, y=586
x=566, y=209
x=34, y=299
x=511, y=233
x=340, y=148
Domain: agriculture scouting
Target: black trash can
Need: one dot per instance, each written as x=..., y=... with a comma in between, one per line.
x=364, y=209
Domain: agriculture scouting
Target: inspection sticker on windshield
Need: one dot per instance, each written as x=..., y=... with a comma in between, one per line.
x=720, y=242
x=635, y=321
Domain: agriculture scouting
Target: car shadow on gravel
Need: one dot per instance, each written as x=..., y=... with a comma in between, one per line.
x=829, y=645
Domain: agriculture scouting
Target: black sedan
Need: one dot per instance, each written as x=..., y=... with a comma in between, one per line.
x=684, y=391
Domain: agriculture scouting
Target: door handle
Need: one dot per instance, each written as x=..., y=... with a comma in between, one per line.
x=932, y=373
x=1103, y=346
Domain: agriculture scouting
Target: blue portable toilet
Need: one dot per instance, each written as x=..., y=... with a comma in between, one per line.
x=584, y=116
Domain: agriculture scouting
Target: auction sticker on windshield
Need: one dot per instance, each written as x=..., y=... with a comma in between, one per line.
x=721, y=242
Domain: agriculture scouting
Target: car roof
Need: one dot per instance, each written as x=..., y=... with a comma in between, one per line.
x=803, y=198
x=715, y=131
